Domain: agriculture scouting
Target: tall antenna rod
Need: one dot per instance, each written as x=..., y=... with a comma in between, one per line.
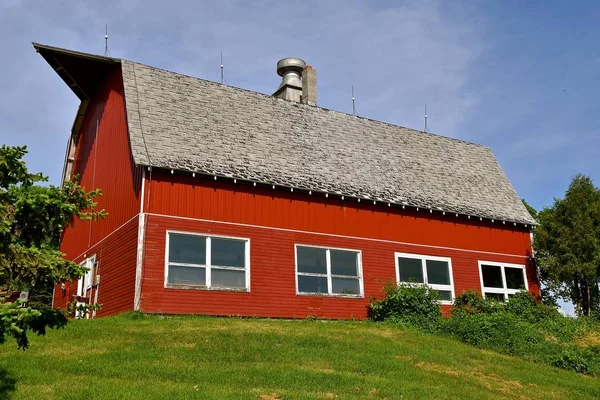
x=106, y=53
x=222, y=67
x=353, y=103
x=425, y=120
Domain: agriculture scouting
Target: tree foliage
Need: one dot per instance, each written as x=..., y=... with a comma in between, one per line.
x=530, y=209
x=567, y=243
x=32, y=219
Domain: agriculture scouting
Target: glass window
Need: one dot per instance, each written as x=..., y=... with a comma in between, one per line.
x=445, y=295
x=187, y=275
x=228, y=252
x=312, y=284
x=208, y=262
x=312, y=260
x=328, y=271
x=344, y=263
x=492, y=276
x=500, y=281
x=410, y=270
x=228, y=278
x=514, y=278
x=187, y=249
x=436, y=272
x=345, y=286
x=494, y=296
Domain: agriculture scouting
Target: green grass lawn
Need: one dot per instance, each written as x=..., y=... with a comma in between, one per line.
x=132, y=357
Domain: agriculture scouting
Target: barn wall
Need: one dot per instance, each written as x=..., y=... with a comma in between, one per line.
x=116, y=260
x=103, y=160
x=272, y=272
x=275, y=220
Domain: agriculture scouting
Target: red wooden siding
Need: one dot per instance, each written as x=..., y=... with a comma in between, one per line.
x=103, y=160
x=116, y=259
x=253, y=212
x=272, y=272
x=225, y=201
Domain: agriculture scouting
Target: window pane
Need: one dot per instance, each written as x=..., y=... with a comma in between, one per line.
x=312, y=284
x=410, y=269
x=445, y=295
x=344, y=262
x=311, y=260
x=345, y=286
x=187, y=249
x=228, y=252
x=438, y=272
x=514, y=278
x=492, y=276
x=494, y=296
x=187, y=275
x=228, y=278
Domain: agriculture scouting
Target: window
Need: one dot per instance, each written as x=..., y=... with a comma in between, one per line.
x=85, y=282
x=433, y=271
x=209, y=262
x=500, y=281
x=325, y=271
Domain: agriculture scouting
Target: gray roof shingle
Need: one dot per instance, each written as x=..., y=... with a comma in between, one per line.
x=184, y=123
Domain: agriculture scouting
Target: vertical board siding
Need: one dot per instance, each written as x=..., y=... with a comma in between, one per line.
x=103, y=160
x=116, y=259
x=272, y=273
x=225, y=201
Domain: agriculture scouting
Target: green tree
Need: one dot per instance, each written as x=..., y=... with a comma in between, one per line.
x=548, y=291
x=32, y=219
x=567, y=244
x=531, y=210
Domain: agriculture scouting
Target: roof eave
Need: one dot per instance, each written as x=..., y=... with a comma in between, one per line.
x=59, y=59
x=364, y=200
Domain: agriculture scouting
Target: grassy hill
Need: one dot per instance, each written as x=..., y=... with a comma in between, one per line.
x=133, y=357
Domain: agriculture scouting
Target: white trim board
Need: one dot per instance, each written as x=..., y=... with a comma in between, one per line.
x=105, y=237
x=139, y=261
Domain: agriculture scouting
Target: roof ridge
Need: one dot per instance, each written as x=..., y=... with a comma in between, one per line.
x=305, y=105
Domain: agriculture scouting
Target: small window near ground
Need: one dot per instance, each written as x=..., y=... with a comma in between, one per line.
x=324, y=271
x=436, y=272
x=207, y=262
x=500, y=281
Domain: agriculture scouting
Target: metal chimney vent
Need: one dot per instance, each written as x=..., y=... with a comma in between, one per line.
x=290, y=69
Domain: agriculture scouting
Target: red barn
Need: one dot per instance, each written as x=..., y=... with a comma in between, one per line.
x=230, y=202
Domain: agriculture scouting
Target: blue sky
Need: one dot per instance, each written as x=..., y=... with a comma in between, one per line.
x=520, y=77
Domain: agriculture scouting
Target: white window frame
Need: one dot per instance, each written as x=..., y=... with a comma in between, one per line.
x=85, y=283
x=209, y=267
x=328, y=274
x=505, y=291
x=423, y=259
